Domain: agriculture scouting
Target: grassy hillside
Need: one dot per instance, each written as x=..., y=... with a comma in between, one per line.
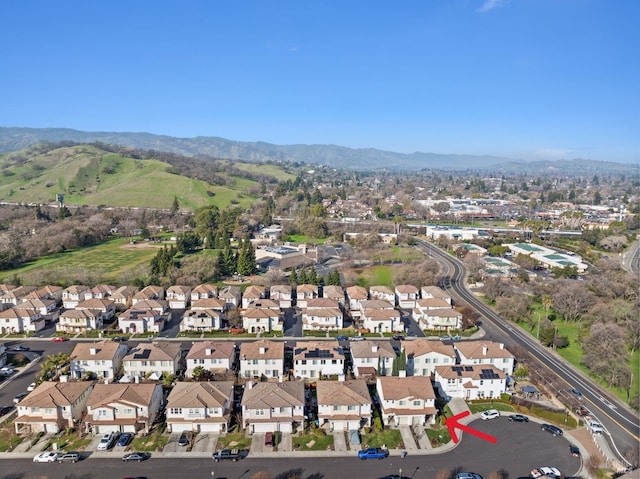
x=87, y=175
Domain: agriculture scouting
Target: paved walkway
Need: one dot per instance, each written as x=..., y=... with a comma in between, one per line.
x=339, y=442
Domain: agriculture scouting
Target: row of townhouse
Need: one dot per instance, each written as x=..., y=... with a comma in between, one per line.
x=207, y=406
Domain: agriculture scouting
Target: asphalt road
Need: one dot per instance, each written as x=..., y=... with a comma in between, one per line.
x=620, y=421
x=520, y=447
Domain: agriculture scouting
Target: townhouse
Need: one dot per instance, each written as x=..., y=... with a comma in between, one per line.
x=231, y=296
x=262, y=359
x=336, y=293
x=101, y=359
x=406, y=295
x=122, y=408
x=204, y=291
x=149, y=292
x=406, y=400
x=79, y=321
x=140, y=321
x=382, y=292
x=281, y=294
x=211, y=355
x=271, y=407
x=471, y=381
x=200, y=406
x=485, y=352
x=355, y=295
x=19, y=320
x=74, y=294
x=261, y=320
x=322, y=314
x=154, y=361
x=178, y=296
x=423, y=355
x=252, y=294
x=344, y=405
x=201, y=320
x=305, y=292
x=318, y=359
x=372, y=358
x=52, y=407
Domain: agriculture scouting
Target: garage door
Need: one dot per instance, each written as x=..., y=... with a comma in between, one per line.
x=180, y=427
x=210, y=427
x=103, y=429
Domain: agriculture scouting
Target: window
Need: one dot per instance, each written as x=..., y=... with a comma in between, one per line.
x=176, y=410
x=336, y=408
x=260, y=412
x=417, y=403
x=402, y=402
x=128, y=411
x=351, y=407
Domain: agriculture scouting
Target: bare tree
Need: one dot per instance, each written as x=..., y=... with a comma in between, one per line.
x=572, y=300
x=605, y=353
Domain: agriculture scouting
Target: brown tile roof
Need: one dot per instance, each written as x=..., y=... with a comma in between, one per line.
x=94, y=303
x=468, y=371
x=205, y=289
x=433, y=303
x=104, y=350
x=281, y=289
x=420, y=347
x=322, y=303
x=386, y=290
x=161, y=350
x=351, y=392
x=260, y=313
x=200, y=394
x=376, y=304
x=208, y=303
x=272, y=349
x=264, y=303
x=271, y=395
x=332, y=349
x=381, y=314
x=435, y=291
x=135, y=394
x=179, y=289
x=395, y=388
x=357, y=292
x=406, y=289
x=307, y=289
x=333, y=291
x=254, y=291
x=54, y=394
x=475, y=349
x=219, y=349
x=365, y=349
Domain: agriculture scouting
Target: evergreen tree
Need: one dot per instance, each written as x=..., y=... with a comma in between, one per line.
x=302, y=277
x=246, y=257
x=175, y=206
x=293, y=278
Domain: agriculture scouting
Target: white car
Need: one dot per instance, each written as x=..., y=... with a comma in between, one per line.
x=31, y=387
x=490, y=414
x=547, y=472
x=595, y=427
x=6, y=371
x=46, y=457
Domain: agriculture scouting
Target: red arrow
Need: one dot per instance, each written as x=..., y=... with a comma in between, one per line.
x=452, y=424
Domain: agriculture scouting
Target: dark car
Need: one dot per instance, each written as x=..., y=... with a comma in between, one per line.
x=574, y=450
x=118, y=339
x=184, y=439
x=19, y=348
x=342, y=338
x=136, y=456
x=577, y=393
x=556, y=431
x=268, y=439
x=518, y=418
x=373, y=453
x=5, y=410
x=398, y=337
x=125, y=439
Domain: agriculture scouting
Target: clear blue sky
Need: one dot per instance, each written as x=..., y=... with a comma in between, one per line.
x=525, y=79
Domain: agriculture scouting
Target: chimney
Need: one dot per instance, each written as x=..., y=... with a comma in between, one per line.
x=501, y=345
x=64, y=378
x=484, y=350
x=263, y=350
x=208, y=351
x=93, y=351
x=374, y=348
x=341, y=378
x=402, y=373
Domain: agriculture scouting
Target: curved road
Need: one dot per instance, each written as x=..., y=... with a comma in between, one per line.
x=619, y=420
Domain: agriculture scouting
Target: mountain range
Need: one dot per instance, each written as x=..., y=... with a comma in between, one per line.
x=16, y=138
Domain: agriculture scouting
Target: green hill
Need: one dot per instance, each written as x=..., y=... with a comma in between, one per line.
x=89, y=175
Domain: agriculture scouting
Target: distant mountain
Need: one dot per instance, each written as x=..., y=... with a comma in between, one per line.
x=16, y=138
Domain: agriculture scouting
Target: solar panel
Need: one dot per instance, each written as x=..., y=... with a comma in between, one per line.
x=144, y=354
x=468, y=368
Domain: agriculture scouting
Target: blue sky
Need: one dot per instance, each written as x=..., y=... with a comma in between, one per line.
x=524, y=79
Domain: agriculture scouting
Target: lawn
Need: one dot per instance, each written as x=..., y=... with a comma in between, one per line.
x=152, y=442
x=8, y=437
x=304, y=239
x=438, y=437
x=317, y=440
x=233, y=440
x=483, y=406
x=391, y=438
x=69, y=441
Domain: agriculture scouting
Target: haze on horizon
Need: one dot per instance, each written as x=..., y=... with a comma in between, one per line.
x=521, y=79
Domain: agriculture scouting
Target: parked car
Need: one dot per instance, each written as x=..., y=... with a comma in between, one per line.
x=555, y=430
x=342, y=338
x=125, y=439
x=518, y=418
x=20, y=348
x=31, y=387
x=68, y=457
x=183, y=440
x=5, y=410
x=373, y=453
x=58, y=339
x=226, y=455
x=546, y=472
x=490, y=414
x=577, y=393
x=574, y=450
x=268, y=439
x=7, y=371
x=46, y=457
x=119, y=339
x=398, y=337
x=468, y=475
x=357, y=338
x=19, y=397
x=136, y=456
x=107, y=441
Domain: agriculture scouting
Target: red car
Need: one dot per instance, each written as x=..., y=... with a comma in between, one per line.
x=58, y=339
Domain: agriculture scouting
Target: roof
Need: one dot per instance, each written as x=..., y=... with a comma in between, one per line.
x=272, y=350
x=54, y=394
x=475, y=349
x=254, y=291
x=333, y=291
x=421, y=347
x=200, y=394
x=260, y=313
x=395, y=388
x=318, y=350
x=470, y=371
x=365, y=349
x=407, y=289
x=162, y=350
x=322, y=303
x=381, y=314
x=351, y=392
x=307, y=288
x=376, y=304
x=179, y=289
x=134, y=394
x=271, y=395
x=381, y=290
x=95, y=303
x=217, y=349
x=281, y=289
x=103, y=350
x=357, y=292
x=433, y=303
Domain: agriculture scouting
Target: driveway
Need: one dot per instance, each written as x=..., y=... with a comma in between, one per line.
x=205, y=442
x=172, y=443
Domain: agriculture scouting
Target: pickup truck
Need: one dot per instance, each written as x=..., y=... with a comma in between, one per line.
x=226, y=455
x=373, y=453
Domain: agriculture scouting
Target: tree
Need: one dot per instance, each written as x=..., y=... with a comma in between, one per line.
x=571, y=300
x=293, y=278
x=605, y=353
x=175, y=206
x=246, y=264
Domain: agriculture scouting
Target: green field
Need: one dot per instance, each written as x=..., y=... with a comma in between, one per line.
x=107, y=261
